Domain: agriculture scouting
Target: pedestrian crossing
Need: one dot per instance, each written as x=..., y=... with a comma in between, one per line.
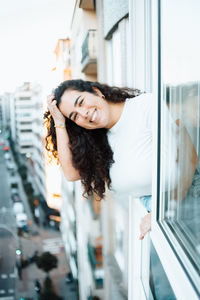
x=53, y=245
x=7, y=293
x=5, y=276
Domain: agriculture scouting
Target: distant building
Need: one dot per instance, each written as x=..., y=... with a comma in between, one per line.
x=5, y=113
x=21, y=107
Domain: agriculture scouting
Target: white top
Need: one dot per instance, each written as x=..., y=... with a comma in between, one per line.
x=131, y=141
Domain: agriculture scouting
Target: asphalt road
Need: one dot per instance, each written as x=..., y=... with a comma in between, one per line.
x=6, y=214
x=7, y=235
x=7, y=263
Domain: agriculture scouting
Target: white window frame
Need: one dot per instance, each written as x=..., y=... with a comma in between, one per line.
x=176, y=275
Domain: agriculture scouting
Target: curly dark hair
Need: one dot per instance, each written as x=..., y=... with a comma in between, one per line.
x=92, y=155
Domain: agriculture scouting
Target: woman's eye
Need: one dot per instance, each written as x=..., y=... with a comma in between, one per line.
x=75, y=116
x=81, y=102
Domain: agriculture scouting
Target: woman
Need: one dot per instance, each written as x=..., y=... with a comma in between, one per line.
x=103, y=137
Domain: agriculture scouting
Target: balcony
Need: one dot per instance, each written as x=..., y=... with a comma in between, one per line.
x=89, y=53
x=95, y=256
x=87, y=4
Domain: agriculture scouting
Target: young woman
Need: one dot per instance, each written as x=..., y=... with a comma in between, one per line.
x=103, y=136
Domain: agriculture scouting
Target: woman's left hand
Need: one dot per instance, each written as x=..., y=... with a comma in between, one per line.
x=145, y=225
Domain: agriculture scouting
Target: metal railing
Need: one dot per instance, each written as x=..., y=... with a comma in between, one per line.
x=89, y=47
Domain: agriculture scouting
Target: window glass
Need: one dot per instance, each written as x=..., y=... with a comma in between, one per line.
x=160, y=288
x=180, y=121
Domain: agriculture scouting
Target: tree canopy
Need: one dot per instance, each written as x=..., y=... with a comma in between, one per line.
x=47, y=261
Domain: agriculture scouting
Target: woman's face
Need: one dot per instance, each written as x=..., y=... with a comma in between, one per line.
x=87, y=110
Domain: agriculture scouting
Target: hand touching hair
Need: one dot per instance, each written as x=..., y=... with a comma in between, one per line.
x=91, y=152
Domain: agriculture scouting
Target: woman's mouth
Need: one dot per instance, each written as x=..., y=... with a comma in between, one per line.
x=94, y=116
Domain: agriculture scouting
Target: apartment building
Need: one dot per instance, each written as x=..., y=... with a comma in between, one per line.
x=36, y=161
x=77, y=58
x=135, y=50
x=21, y=107
x=5, y=112
x=1, y=112
x=84, y=49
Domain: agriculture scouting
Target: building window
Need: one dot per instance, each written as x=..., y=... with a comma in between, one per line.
x=25, y=130
x=179, y=180
x=117, y=55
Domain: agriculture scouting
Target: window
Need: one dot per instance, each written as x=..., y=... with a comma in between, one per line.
x=179, y=206
x=118, y=66
x=25, y=123
x=24, y=98
x=25, y=130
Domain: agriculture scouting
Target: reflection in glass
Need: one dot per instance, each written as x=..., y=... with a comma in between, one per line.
x=182, y=205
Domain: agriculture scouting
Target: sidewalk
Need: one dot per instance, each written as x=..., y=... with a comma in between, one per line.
x=42, y=239
x=41, y=243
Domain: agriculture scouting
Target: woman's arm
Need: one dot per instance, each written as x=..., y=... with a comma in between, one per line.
x=64, y=153
x=187, y=162
x=145, y=225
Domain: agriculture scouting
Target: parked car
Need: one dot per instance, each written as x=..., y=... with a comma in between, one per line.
x=6, y=148
x=18, y=208
x=7, y=155
x=10, y=165
x=21, y=220
x=16, y=198
x=14, y=188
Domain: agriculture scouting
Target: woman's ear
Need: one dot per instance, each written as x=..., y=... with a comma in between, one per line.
x=98, y=92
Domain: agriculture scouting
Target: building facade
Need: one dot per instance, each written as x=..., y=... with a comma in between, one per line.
x=136, y=47
x=21, y=107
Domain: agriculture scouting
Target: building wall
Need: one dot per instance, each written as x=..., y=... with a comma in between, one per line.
x=82, y=21
x=88, y=237
x=121, y=9
x=23, y=106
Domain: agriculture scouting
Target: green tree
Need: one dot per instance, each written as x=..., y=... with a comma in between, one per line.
x=28, y=188
x=23, y=172
x=47, y=262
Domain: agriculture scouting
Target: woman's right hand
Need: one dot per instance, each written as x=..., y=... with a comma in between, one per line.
x=57, y=116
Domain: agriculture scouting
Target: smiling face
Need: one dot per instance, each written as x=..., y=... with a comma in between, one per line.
x=87, y=110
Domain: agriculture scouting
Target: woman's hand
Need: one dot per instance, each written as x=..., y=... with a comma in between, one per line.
x=145, y=225
x=57, y=116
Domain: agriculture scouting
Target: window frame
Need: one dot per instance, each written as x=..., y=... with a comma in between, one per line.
x=165, y=243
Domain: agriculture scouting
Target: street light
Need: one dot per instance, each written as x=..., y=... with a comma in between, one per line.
x=18, y=252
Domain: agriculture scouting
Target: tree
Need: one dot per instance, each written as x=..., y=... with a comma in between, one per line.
x=47, y=262
x=28, y=188
x=23, y=172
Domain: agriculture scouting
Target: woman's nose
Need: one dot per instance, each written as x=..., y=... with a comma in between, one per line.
x=83, y=112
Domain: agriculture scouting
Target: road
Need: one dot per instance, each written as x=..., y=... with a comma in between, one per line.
x=6, y=213
x=7, y=235
x=47, y=239
x=7, y=263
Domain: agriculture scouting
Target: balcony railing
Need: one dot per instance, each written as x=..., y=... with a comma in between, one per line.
x=89, y=53
x=87, y=4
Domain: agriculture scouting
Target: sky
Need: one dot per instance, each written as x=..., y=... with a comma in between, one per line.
x=29, y=30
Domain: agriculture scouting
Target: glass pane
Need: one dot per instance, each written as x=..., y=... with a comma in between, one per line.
x=155, y=282
x=160, y=288
x=180, y=125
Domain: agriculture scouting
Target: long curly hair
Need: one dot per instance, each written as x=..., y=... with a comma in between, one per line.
x=92, y=155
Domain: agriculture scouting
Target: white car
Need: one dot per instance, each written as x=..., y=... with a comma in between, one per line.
x=10, y=165
x=18, y=208
x=21, y=220
x=7, y=155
